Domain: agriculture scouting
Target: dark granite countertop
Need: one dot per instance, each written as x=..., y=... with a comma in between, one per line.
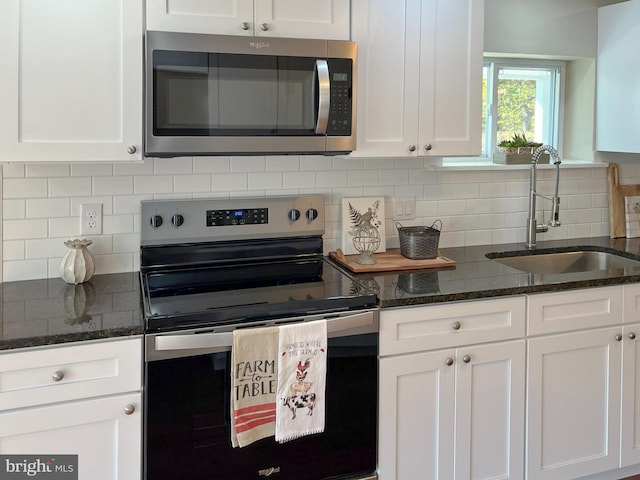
x=51, y=311
x=475, y=276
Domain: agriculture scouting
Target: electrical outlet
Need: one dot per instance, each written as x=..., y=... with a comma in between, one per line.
x=91, y=219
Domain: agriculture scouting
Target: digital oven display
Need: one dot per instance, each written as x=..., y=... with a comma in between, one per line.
x=245, y=216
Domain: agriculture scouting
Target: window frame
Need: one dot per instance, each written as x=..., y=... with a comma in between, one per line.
x=493, y=65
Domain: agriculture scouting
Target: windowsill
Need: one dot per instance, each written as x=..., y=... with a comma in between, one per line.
x=484, y=163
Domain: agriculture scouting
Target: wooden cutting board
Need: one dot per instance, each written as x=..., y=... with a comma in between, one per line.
x=617, y=192
x=389, y=261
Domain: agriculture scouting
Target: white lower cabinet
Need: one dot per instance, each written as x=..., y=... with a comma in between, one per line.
x=583, y=388
x=574, y=389
x=453, y=413
x=80, y=399
x=105, y=433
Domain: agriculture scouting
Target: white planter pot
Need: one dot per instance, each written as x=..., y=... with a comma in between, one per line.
x=77, y=266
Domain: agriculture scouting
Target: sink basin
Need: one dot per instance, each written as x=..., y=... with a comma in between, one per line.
x=564, y=262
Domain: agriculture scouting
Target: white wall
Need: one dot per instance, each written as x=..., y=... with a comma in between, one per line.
x=41, y=202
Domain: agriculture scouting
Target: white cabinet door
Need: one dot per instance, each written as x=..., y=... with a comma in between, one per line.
x=224, y=17
x=451, y=56
x=327, y=19
x=71, y=81
x=573, y=392
x=630, y=417
x=416, y=420
x=476, y=392
x=490, y=396
x=105, y=438
x=618, y=77
x=419, y=76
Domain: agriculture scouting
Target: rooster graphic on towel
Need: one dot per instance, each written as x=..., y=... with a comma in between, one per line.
x=301, y=381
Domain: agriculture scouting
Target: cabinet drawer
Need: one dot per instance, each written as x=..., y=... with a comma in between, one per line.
x=448, y=325
x=574, y=310
x=70, y=372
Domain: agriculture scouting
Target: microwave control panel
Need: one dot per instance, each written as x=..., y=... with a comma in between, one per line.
x=341, y=106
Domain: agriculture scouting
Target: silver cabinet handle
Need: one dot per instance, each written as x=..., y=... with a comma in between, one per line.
x=466, y=359
x=264, y=27
x=428, y=147
x=456, y=325
x=618, y=337
x=245, y=25
x=412, y=148
x=449, y=361
x=632, y=335
x=57, y=375
x=129, y=409
x=131, y=149
x=324, y=95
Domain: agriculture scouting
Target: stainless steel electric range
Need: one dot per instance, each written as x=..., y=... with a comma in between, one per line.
x=209, y=266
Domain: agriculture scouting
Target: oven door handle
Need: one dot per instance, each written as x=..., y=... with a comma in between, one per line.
x=335, y=326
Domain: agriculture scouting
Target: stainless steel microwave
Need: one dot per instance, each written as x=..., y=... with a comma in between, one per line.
x=220, y=95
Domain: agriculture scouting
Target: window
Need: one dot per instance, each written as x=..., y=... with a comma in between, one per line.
x=521, y=97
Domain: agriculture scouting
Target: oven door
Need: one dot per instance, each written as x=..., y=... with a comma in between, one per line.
x=187, y=405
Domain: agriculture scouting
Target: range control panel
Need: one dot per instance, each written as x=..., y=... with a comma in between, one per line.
x=166, y=222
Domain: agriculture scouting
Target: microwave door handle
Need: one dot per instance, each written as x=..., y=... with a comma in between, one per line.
x=324, y=96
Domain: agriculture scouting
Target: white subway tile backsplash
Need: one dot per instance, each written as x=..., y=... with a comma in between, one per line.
x=265, y=181
x=117, y=224
x=24, y=187
x=192, y=183
x=299, y=180
x=14, y=209
x=24, y=270
x=176, y=166
x=45, y=170
x=48, y=207
x=211, y=164
x=69, y=186
x=119, y=185
x=152, y=184
x=13, y=250
x=477, y=206
x=227, y=182
x=24, y=229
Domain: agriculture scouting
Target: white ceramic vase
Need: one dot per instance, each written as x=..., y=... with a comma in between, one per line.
x=77, y=265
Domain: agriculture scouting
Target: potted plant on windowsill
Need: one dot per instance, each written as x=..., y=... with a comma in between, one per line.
x=517, y=150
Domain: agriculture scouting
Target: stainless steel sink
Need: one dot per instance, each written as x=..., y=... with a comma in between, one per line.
x=565, y=262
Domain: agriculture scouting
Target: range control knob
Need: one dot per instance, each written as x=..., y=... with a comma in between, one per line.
x=312, y=214
x=156, y=221
x=177, y=220
x=294, y=214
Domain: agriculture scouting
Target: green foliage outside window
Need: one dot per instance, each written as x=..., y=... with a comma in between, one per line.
x=516, y=108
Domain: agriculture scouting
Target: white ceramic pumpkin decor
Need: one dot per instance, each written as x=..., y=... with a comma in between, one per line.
x=77, y=265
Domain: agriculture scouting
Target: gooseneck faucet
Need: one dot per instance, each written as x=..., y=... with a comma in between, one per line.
x=532, y=224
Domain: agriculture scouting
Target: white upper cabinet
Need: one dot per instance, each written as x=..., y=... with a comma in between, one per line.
x=71, y=81
x=419, y=77
x=328, y=19
x=618, y=77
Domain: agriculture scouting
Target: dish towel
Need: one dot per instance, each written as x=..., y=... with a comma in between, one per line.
x=302, y=369
x=253, y=384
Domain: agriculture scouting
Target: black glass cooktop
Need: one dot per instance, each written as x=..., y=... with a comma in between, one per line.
x=196, y=296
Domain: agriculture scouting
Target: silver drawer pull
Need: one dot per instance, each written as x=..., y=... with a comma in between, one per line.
x=57, y=375
x=456, y=325
x=129, y=409
x=449, y=361
x=466, y=359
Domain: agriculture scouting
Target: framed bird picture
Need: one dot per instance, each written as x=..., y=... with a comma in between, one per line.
x=362, y=217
